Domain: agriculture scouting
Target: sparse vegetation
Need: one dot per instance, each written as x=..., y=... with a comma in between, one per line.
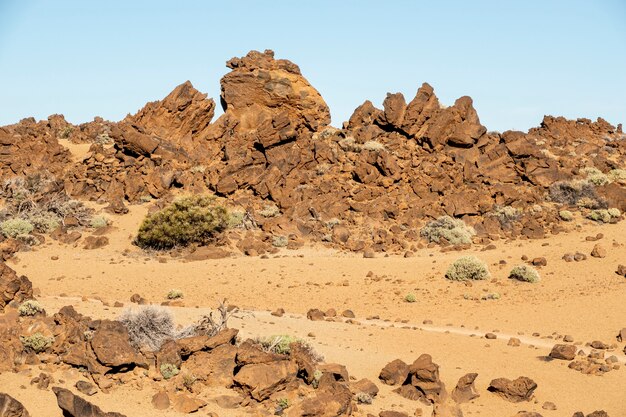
x=507, y=215
x=280, y=241
x=235, y=218
x=467, y=268
x=283, y=403
x=150, y=326
x=37, y=342
x=575, y=193
x=30, y=308
x=525, y=273
x=410, y=298
x=175, y=294
x=317, y=375
x=189, y=220
x=270, y=210
x=281, y=344
x=595, y=176
x=363, y=398
x=566, y=215
x=455, y=231
x=617, y=175
x=98, y=222
x=604, y=216
x=372, y=145
x=169, y=370
x=16, y=227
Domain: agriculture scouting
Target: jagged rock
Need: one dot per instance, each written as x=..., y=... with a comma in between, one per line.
x=563, y=352
x=261, y=380
x=12, y=287
x=520, y=389
x=161, y=401
x=394, y=373
x=86, y=388
x=215, y=367
x=330, y=400
x=10, y=407
x=74, y=406
x=364, y=385
x=187, y=404
x=112, y=347
x=465, y=390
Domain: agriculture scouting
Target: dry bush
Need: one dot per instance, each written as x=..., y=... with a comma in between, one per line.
x=454, y=231
x=573, y=192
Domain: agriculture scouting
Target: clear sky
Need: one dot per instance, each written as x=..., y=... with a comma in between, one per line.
x=518, y=60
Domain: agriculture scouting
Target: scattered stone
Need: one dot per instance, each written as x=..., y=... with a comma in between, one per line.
x=563, y=352
x=540, y=261
x=520, y=389
x=348, y=314
x=598, y=251
x=279, y=312
x=86, y=388
x=315, y=314
x=490, y=336
x=548, y=406
x=465, y=390
x=74, y=406
x=394, y=373
x=10, y=407
x=621, y=270
x=514, y=341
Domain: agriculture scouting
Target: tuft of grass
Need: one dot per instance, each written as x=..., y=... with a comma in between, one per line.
x=525, y=273
x=454, y=231
x=175, y=294
x=150, y=326
x=169, y=370
x=410, y=298
x=270, y=210
x=566, y=215
x=37, y=342
x=30, y=308
x=16, y=227
x=467, y=268
x=189, y=220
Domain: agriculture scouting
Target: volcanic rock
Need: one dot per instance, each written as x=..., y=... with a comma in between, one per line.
x=465, y=390
x=12, y=287
x=74, y=406
x=520, y=389
x=563, y=352
x=10, y=407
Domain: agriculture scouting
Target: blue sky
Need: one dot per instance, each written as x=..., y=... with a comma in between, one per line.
x=518, y=60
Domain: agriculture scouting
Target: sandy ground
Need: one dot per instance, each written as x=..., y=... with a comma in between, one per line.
x=583, y=299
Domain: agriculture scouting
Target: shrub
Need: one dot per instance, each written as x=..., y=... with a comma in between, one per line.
x=235, y=218
x=283, y=403
x=467, y=267
x=372, y=145
x=410, y=298
x=507, y=215
x=604, y=216
x=566, y=215
x=280, y=241
x=524, y=273
x=175, y=294
x=453, y=230
x=44, y=222
x=281, y=344
x=270, y=210
x=149, y=326
x=15, y=227
x=617, y=175
x=363, y=398
x=98, y=222
x=614, y=212
x=169, y=370
x=572, y=192
x=595, y=176
x=37, y=342
x=195, y=219
x=30, y=308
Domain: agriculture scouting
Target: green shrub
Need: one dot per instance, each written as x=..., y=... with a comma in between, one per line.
x=467, y=267
x=454, y=231
x=281, y=344
x=44, y=222
x=566, y=215
x=189, y=220
x=363, y=398
x=169, y=370
x=98, y=222
x=617, y=175
x=15, y=227
x=317, y=375
x=410, y=298
x=507, y=215
x=235, y=218
x=37, y=342
x=30, y=308
x=280, y=241
x=270, y=210
x=595, y=176
x=175, y=294
x=604, y=216
x=524, y=273
x=283, y=404
x=614, y=212
x=575, y=193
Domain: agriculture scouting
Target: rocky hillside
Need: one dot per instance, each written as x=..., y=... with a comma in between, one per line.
x=369, y=185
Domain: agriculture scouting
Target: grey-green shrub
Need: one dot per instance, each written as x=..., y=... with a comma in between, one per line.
x=189, y=220
x=566, y=215
x=37, y=342
x=30, y=308
x=98, y=222
x=44, y=222
x=169, y=370
x=410, y=298
x=363, y=398
x=174, y=294
x=524, y=273
x=595, y=176
x=280, y=241
x=454, y=231
x=15, y=227
x=603, y=215
x=467, y=268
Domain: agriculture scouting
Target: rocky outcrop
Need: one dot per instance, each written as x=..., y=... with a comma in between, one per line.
x=10, y=407
x=518, y=390
x=465, y=390
x=74, y=406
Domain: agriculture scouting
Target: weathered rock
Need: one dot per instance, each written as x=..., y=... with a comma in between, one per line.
x=315, y=314
x=74, y=406
x=12, y=287
x=161, y=401
x=465, y=390
x=10, y=407
x=394, y=373
x=364, y=385
x=186, y=404
x=598, y=251
x=261, y=380
x=520, y=389
x=86, y=388
x=112, y=347
x=563, y=352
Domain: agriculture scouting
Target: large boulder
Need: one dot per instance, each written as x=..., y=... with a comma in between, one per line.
x=74, y=406
x=518, y=390
x=111, y=345
x=10, y=407
x=261, y=380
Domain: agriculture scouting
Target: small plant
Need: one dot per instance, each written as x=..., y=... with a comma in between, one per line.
x=410, y=298
x=270, y=211
x=525, y=273
x=98, y=222
x=189, y=220
x=30, y=308
x=44, y=222
x=467, y=268
x=595, y=176
x=453, y=230
x=235, y=218
x=603, y=215
x=280, y=344
x=280, y=241
x=491, y=296
x=575, y=193
x=372, y=145
x=103, y=139
x=149, y=326
x=66, y=132
x=507, y=215
x=363, y=398
x=566, y=215
x=197, y=169
x=189, y=380
x=283, y=404
x=37, y=342
x=15, y=227
x=175, y=295
x=169, y=370
x=617, y=175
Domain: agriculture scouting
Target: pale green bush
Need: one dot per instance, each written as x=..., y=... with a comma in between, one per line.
x=566, y=215
x=30, y=308
x=617, y=175
x=372, y=145
x=614, y=212
x=270, y=210
x=363, y=398
x=280, y=241
x=169, y=370
x=15, y=227
x=455, y=231
x=595, y=176
x=44, y=222
x=98, y=222
x=525, y=273
x=467, y=268
x=37, y=342
x=603, y=215
x=410, y=298
x=175, y=294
